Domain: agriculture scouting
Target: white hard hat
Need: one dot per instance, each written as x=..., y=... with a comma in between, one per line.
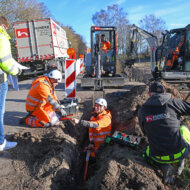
x=102, y=102
x=55, y=74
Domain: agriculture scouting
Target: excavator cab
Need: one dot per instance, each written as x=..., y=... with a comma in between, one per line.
x=103, y=51
x=170, y=60
x=100, y=66
x=173, y=56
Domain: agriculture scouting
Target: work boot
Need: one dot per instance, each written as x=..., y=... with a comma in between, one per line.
x=48, y=124
x=22, y=120
x=168, y=172
x=181, y=167
x=7, y=145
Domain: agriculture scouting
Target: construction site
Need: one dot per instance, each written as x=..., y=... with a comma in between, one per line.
x=53, y=158
x=59, y=151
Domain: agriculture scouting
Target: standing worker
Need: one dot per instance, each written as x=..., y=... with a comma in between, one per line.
x=42, y=103
x=99, y=125
x=169, y=142
x=6, y=67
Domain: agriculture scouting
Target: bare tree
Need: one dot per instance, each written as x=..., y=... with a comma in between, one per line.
x=76, y=40
x=20, y=10
x=153, y=25
x=114, y=16
x=101, y=18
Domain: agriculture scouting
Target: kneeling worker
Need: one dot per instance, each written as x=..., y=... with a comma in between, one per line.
x=99, y=125
x=42, y=103
x=169, y=142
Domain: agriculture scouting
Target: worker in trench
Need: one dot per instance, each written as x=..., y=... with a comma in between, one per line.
x=42, y=104
x=169, y=142
x=99, y=126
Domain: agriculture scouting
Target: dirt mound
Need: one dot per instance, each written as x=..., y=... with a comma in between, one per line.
x=45, y=159
x=173, y=91
x=124, y=107
x=122, y=168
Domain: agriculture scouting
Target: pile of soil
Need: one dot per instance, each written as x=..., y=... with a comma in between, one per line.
x=45, y=158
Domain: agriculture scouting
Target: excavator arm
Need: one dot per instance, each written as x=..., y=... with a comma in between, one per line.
x=151, y=40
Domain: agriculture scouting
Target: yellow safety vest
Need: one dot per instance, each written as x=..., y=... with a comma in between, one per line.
x=6, y=60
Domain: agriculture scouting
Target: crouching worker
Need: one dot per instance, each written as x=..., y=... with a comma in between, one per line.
x=99, y=125
x=169, y=142
x=42, y=103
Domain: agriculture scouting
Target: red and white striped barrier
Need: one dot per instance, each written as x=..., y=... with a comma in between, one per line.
x=70, y=78
x=81, y=65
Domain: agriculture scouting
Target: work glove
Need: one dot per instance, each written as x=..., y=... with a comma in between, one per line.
x=19, y=71
x=63, y=112
x=89, y=124
x=57, y=106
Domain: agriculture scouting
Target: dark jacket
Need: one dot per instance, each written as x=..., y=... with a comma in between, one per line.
x=159, y=120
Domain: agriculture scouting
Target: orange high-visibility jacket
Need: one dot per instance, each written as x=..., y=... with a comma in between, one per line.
x=105, y=46
x=36, y=101
x=175, y=54
x=99, y=134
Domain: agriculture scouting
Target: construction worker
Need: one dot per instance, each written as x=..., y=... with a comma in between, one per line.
x=42, y=103
x=169, y=142
x=175, y=59
x=99, y=125
x=6, y=67
x=105, y=45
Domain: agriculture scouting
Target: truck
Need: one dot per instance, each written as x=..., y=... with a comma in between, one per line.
x=41, y=44
x=100, y=66
x=170, y=60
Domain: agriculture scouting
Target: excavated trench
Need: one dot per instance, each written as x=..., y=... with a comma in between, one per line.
x=52, y=158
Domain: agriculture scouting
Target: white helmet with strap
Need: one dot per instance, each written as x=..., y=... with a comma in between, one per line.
x=55, y=74
x=102, y=102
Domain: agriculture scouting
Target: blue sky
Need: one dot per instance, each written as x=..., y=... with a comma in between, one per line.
x=78, y=13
